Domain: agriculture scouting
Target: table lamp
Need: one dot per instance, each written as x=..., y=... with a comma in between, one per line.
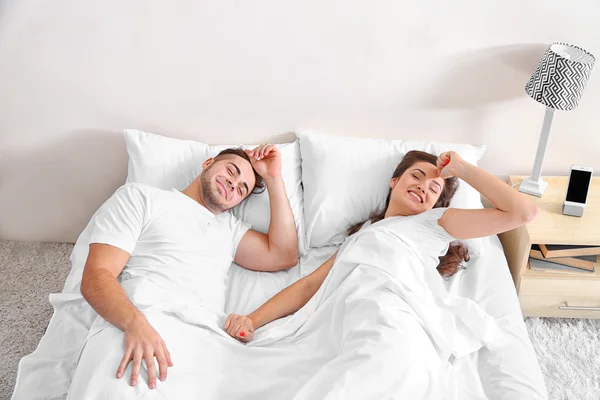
x=557, y=83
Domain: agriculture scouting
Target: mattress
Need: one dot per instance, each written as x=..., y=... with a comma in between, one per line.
x=509, y=372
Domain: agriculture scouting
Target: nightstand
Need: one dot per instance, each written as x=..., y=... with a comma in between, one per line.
x=544, y=294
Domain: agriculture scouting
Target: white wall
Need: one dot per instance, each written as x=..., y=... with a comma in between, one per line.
x=74, y=73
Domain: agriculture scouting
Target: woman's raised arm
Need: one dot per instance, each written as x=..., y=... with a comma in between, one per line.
x=512, y=208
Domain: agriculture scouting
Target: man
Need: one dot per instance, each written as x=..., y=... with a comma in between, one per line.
x=182, y=243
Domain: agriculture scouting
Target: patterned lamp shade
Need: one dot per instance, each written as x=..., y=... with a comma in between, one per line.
x=560, y=76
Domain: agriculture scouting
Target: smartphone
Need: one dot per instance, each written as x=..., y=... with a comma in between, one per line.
x=580, y=180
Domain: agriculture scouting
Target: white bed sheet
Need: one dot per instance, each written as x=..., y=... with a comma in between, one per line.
x=508, y=373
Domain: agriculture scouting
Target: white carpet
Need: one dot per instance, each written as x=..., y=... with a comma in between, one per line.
x=568, y=350
x=569, y=355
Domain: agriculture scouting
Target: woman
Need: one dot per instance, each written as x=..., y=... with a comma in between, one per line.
x=420, y=183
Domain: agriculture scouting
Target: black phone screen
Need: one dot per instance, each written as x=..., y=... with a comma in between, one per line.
x=579, y=183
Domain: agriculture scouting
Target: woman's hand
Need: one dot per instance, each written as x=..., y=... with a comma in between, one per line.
x=450, y=164
x=239, y=327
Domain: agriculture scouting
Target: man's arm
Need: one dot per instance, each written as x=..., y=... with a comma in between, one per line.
x=101, y=289
x=99, y=286
x=278, y=249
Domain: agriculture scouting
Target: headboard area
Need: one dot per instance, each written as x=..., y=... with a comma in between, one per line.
x=74, y=75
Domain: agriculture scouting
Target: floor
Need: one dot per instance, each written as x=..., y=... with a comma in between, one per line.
x=41, y=268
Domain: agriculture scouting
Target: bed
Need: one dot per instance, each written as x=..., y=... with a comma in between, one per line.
x=509, y=371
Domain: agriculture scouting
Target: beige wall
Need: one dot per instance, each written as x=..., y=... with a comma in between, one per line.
x=73, y=74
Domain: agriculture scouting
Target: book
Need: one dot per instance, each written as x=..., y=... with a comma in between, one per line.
x=568, y=250
x=582, y=262
x=547, y=266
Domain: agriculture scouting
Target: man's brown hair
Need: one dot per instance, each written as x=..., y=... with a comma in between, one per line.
x=259, y=186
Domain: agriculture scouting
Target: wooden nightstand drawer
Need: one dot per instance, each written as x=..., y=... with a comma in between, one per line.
x=559, y=285
x=542, y=294
x=548, y=306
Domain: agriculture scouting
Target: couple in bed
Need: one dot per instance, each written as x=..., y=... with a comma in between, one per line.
x=183, y=242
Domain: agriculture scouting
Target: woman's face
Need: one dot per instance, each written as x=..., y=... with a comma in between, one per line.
x=417, y=190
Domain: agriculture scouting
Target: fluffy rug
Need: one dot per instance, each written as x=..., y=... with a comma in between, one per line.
x=569, y=354
x=568, y=350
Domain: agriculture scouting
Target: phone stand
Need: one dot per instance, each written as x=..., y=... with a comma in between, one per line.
x=575, y=210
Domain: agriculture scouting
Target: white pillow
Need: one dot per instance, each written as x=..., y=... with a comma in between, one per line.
x=168, y=163
x=346, y=178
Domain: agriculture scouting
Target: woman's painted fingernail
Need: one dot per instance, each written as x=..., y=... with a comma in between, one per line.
x=447, y=161
x=242, y=334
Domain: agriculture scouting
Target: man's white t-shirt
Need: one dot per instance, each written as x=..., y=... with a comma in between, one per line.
x=174, y=241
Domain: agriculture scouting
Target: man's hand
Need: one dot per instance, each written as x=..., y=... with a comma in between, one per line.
x=266, y=160
x=143, y=342
x=239, y=327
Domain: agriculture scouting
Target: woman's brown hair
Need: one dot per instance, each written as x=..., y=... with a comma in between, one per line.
x=457, y=253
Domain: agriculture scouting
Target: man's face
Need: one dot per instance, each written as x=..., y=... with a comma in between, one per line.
x=226, y=182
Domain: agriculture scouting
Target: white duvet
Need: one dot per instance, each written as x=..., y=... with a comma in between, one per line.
x=382, y=326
